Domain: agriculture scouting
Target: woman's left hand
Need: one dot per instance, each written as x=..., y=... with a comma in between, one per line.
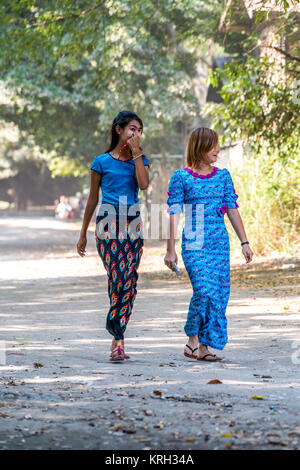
x=134, y=143
x=248, y=253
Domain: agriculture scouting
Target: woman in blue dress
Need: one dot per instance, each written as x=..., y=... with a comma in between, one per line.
x=120, y=172
x=207, y=193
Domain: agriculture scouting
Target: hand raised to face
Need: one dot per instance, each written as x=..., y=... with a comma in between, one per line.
x=134, y=143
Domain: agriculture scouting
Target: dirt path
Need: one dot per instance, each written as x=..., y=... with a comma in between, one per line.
x=59, y=391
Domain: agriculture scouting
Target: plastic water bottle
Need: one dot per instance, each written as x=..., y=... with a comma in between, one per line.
x=177, y=270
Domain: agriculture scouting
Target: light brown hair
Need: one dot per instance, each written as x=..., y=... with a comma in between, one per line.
x=201, y=141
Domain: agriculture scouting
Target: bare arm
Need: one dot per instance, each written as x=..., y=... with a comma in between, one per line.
x=89, y=210
x=142, y=173
x=171, y=256
x=238, y=226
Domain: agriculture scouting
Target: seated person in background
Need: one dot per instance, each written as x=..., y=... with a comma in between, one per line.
x=64, y=209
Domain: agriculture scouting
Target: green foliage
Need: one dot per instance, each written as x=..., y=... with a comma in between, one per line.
x=263, y=13
x=268, y=192
x=73, y=65
x=258, y=110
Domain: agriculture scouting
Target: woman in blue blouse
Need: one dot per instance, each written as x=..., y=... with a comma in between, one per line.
x=120, y=172
x=207, y=193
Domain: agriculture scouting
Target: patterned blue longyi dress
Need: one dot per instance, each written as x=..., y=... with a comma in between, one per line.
x=205, y=248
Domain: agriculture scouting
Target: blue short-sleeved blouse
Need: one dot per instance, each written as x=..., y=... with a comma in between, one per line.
x=118, y=178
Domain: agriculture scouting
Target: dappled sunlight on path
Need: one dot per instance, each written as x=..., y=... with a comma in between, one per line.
x=57, y=370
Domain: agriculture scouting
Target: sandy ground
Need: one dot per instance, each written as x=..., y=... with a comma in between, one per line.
x=60, y=391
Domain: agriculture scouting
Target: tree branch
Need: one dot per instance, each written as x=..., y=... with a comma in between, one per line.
x=285, y=53
x=224, y=14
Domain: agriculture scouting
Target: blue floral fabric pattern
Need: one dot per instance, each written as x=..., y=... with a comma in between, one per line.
x=205, y=248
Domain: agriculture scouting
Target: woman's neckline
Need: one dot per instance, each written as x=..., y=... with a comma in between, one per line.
x=198, y=175
x=117, y=159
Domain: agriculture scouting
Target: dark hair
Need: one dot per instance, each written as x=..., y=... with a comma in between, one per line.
x=122, y=120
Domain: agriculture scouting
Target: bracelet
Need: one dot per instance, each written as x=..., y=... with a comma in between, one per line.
x=138, y=156
x=244, y=243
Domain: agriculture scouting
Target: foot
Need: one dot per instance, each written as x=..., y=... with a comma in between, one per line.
x=189, y=351
x=117, y=354
x=120, y=343
x=205, y=355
